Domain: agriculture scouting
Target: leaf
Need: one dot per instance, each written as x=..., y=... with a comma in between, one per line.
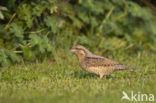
x=53, y=9
x=91, y=5
x=4, y=61
x=14, y=57
x=76, y=21
x=28, y=54
x=119, y=2
x=52, y=23
x=34, y=39
x=138, y=11
x=41, y=43
x=83, y=16
x=25, y=14
x=16, y=30
x=45, y=45
x=38, y=10
x=49, y=47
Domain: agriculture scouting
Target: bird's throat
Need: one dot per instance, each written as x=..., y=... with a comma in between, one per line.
x=80, y=57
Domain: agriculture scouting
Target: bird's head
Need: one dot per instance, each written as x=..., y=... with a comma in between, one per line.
x=80, y=51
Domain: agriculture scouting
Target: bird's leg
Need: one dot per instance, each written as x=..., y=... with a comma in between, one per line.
x=101, y=75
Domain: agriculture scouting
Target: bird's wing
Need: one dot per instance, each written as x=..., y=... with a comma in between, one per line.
x=96, y=61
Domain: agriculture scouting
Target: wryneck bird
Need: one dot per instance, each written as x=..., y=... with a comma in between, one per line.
x=97, y=64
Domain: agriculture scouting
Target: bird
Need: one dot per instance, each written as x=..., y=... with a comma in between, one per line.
x=95, y=64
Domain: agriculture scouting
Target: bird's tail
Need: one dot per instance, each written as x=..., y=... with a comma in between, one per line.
x=123, y=67
x=131, y=68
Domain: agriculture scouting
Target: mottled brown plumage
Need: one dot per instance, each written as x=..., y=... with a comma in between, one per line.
x=96, y=64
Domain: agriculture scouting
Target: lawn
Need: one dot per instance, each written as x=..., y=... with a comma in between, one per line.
x=63, y=81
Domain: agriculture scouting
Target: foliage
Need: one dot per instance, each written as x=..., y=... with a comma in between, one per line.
x=7, y=57
x=33, y=29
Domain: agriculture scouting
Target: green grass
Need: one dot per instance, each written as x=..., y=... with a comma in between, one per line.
x=65, y=82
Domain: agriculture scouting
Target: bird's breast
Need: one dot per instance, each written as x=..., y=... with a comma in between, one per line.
x=98, y=69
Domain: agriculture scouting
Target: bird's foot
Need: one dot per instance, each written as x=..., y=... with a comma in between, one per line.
x=101, y=75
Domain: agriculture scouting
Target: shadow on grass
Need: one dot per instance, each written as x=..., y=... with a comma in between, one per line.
x=82, y=74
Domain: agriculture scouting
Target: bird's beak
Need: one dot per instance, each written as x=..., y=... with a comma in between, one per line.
x=72, y=50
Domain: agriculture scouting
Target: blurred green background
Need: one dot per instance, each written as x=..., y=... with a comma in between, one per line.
x=33, y=29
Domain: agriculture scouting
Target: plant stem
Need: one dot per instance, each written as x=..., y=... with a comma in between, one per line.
x=104, y=21
x=8, y=24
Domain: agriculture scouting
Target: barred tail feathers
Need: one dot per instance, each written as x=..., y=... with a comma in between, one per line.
x=123, y=67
